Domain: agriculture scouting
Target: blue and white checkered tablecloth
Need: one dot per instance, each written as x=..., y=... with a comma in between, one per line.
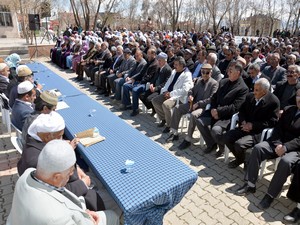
x=158, y=181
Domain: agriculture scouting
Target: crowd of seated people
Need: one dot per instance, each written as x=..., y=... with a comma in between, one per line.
x=177, y=73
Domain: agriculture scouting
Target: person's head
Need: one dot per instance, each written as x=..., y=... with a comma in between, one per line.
x=242, y=61
x=254, y=70
x=212, y=59
x=98, y=46
x=179, y=64
x=47, y=127
x=255, y=53
x=24, y=73
x=248, y=57
x=206, y=70
x=4, y=69
x=261, y=88
x=119, y=50
x=138, y=55
x=202, y=56
x=291, y=59
x=162, y=59
x=229, y=54
x=293, y=74
x=235, y=70
x=46, y=103
x=91, y=44
x=275, y=58
x=188, y=54
x=26, y=91
x=151, y=53
x=170, y=52
x=298, y=98
x=56, y=163
x=127, y=53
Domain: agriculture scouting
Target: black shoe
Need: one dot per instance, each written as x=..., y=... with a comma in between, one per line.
x=166, y=130
x=246, y=189
x=106, y=94
x=134, y=113
x=234, y=164
x=79, y=78
x=210, y=149
x=172, y=137
x=101, y=92
x=92, y=83
x=185, y=144
x=124, y=107
x=266, y=202
x=153, y=113
x=219, y=153
x=293, y=216
x=162, y=123
x=112, y=97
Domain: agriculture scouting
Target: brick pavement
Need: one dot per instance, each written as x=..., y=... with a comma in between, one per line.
x=210, y=200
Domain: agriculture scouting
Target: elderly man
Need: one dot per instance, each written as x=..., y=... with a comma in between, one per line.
x=188, y=57
x=4, y=80
x=254, y=74
x=285, y=143
x=290, y=60
x=22, y=107
x=40, y=196
x=175, y=89
x=275, y=72
x=157, y=82
x=137, y=83
x=259, y=111
x=223, y=64
x=215, y=73
x=225, y=102
x=201, y=59
x=198, y=98
x=120, y=75
x=255, y=57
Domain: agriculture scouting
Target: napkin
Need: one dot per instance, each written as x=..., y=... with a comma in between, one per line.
x=90, y=137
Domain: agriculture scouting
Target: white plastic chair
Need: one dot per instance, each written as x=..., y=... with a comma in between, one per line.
x=17, y=140
x=233, y=124
x=5, y=112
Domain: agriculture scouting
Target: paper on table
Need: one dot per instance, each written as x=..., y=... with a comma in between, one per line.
x=90, y=137
x=56, y=92
x=61, y=105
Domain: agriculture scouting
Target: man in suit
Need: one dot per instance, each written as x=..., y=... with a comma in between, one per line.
x=254, y=74
x=212, y=60
x=157, y=82
x=198, y=98
x=201, y=58
x=40, y=196
x=286, y=90
x=259, y=111
x=23, y=107
x=275, y=72
x=137, y=83
x=285, y=143
x=294, y=195
x=225, y=102
x=4, y=80
x=175, y=89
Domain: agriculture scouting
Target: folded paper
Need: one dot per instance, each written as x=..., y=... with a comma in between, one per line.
x=90, y=137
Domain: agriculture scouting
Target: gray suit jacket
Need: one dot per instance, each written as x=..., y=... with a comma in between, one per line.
x=37, y=204
x=126, y=66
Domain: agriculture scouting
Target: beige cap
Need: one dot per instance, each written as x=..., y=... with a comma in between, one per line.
x=206, y=66
x=2, y=66
x=49, y=97
x=23, y=71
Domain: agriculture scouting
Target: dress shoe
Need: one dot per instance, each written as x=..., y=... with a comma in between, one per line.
x=162, y=123
x=106, y=94
x=210, y=149
x=172, y=137
x=234, y=164
x=293, y=216
x=153, y=113
x=134, y=113
x=220, y=152
x=101, y=92
x=92, y=83
x=124, y=107
x=185, y=144
x=246, y=189
x=266, y=202
x=112, y=97
x=166, y=130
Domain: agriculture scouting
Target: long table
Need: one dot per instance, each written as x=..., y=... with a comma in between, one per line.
x=158, y=181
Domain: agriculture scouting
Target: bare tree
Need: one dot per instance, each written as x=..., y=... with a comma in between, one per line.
x=235, y=13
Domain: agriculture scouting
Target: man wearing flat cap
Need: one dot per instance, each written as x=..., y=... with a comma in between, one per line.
x=23, y=107
x=41, y=198
x=4, y=80
x=45, y=128
x=198, y=98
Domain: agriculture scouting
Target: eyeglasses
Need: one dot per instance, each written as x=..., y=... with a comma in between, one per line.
x=205, y=72
x=290, y=72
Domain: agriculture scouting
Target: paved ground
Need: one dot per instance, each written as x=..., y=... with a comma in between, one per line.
x=210, y=200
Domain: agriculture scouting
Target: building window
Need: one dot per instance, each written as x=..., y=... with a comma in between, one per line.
x=5, y=16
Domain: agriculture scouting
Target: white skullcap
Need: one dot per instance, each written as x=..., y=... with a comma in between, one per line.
x=25, y=87
x=2, y=66
x=46, y=123
x=56, y=156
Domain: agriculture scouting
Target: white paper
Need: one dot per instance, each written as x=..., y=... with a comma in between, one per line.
x=62, y=105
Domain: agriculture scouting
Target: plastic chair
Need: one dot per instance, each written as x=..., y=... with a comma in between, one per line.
x=5, y=110
x=233, y=124
x=17, y=141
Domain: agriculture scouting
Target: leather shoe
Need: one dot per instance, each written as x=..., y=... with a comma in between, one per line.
x=153, y=113
x=266, y=202
x=166, y=130
x=172, y=137
x=234, y=164
x=185, y=144
x=162, y=123
x=210, y=149
x=102, y=92
x=134, y=112
x=293, y=216
x=246, y=189
x=219, y=153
